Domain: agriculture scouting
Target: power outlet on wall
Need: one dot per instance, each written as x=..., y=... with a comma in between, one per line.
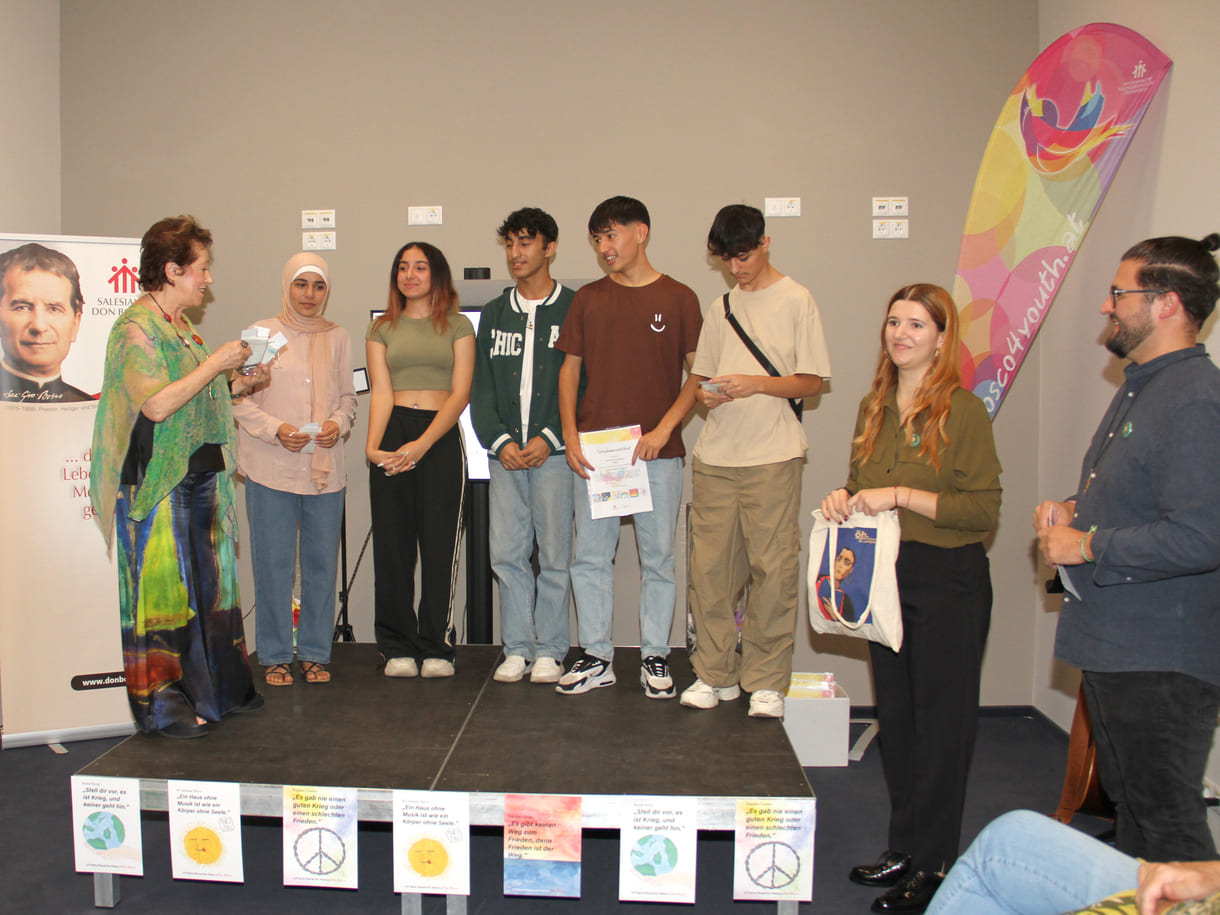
x=425, y=216
x=782, y=206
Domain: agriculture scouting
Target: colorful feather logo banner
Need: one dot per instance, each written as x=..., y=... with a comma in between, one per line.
x=1051, y=157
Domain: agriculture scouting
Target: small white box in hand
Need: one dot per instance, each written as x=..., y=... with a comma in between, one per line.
x=256, y=338
x=310, y=429
x=274, y=345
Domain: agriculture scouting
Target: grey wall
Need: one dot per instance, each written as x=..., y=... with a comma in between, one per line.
x=244, y=113
x=29, y=111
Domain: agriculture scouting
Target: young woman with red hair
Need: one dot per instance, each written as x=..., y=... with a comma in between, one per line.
x=923, y=445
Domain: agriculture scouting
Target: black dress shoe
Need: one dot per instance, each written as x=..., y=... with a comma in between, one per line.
x=253, y=704
x=911, y=895
x=891, y=867
x=184, y=730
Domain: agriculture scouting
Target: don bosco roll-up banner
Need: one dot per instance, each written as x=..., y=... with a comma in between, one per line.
x=1049, y=162
x=61, y=660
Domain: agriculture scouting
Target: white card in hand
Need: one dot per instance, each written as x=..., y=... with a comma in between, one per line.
x=310, y=429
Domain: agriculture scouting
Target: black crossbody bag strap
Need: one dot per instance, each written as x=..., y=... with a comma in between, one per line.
x=796, y=403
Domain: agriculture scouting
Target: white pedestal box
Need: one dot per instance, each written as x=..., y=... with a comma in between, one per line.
x=817, y=727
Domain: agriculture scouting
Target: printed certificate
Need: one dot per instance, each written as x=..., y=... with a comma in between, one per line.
x=616, y=486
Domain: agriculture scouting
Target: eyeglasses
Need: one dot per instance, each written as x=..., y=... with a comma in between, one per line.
x=1116, y=293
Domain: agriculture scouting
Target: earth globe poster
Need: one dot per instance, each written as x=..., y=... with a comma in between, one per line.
x=658, y=842
x=106, y=825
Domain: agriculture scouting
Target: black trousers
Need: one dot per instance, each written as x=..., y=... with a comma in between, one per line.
x=418, y=512
x=928, y=697
x=1153, y=731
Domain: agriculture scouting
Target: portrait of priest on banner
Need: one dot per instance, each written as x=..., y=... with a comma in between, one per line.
x=40, y=314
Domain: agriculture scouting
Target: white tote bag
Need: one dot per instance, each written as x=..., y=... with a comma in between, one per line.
x=852, y=586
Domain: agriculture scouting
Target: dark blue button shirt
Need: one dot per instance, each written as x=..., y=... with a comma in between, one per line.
x=1150, y=483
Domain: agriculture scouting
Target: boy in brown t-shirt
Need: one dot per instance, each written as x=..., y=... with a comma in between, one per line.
x=633, y=332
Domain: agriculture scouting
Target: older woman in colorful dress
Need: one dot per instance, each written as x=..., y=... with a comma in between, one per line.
x=294, y=493
x=161, y=480
x=923, y=445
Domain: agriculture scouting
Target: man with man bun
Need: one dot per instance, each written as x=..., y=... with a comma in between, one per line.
x=1139, y=546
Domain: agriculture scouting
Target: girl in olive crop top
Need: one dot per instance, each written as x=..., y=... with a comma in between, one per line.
x=418, y=356
x=421, y=360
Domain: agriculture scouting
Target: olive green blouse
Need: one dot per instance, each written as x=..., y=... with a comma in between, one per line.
x=967, y=484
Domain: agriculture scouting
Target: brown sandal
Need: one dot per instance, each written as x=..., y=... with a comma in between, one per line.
x=314, y=672
x=278, y=675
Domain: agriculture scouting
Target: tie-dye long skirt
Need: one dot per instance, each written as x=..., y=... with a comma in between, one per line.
x=184, y=647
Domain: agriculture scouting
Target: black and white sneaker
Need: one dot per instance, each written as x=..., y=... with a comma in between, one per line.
x=586, y=674
x=655, y=678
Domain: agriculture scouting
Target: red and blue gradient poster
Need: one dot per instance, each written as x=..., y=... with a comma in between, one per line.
x=1051, y=157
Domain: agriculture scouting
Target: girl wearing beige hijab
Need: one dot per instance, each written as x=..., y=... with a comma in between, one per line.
x=295, y=479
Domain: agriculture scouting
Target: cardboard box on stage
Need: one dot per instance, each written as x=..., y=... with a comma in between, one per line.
x=816, y=722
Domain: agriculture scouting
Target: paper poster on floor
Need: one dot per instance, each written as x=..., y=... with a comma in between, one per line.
x=106, y=825
x=320, y=837
x=773, y=856
x=432, y=842
x=658, y=840
x=205, y=831
x=541, y=845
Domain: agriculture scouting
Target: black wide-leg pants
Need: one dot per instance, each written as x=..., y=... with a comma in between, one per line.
x=928, y=697
x=417, y=512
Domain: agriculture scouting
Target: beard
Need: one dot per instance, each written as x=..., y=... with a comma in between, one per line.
x=1129, y=333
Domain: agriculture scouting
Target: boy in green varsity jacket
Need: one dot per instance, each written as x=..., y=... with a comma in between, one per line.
x=515, y=410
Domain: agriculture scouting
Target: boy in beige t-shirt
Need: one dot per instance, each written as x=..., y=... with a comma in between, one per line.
x=747, y=470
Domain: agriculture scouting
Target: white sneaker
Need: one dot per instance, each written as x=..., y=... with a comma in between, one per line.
x=655, y=678
x=436, y=667
x=546, y=670
x=512, y=670
x=589, y=672
x=401, y=667
x=704, y=695
x=766, y=703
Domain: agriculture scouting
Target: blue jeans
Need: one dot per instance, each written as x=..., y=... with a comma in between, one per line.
x=1024, y=863
x=1153, y=731
x=593, y=564
x=275, y=518
x=526, y=505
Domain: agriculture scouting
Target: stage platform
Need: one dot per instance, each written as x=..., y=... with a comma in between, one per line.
x=471, y=734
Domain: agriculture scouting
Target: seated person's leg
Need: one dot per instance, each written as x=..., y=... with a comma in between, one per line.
x=1029, y=864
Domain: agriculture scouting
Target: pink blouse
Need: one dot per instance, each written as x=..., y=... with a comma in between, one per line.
x=287, y=399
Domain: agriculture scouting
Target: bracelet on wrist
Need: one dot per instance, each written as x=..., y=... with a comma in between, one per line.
x=1083, y=540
